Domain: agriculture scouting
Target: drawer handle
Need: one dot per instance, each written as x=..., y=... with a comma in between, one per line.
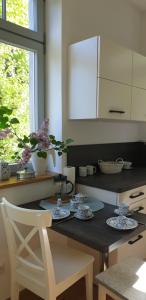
x=138, y=238
x=136, y=195
x=138, y=209
x=117, y=111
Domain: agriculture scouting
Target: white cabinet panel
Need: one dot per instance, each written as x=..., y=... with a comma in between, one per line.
x=114, y=100
x=115, y=62
x=83, y=79
x=139, y=70
x=132, y=196
x=139, y=206
x=138, y=104
x=136, y=247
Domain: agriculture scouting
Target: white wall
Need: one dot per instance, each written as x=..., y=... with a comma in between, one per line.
x=53, y=109
x=117, y=20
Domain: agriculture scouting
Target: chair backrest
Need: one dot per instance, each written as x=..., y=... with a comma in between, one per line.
x=19, y=241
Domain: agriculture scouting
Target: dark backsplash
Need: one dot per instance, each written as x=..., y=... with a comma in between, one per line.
x=90, y=154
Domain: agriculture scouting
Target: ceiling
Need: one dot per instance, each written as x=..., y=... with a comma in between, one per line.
x=141, y=4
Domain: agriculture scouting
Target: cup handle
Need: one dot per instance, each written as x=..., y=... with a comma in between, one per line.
x=94, y=170
x=72, y=187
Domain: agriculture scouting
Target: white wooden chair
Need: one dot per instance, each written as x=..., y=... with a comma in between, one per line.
x=123, y=281
x=48, y=270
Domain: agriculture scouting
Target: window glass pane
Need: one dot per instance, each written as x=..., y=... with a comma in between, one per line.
x=20, y=12
x=16, y=85
x=0, y=8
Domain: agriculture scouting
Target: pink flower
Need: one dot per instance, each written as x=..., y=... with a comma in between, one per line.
x=5, y=133
x=26, y=155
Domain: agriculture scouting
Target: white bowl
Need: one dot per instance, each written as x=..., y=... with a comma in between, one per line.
x=110, y=167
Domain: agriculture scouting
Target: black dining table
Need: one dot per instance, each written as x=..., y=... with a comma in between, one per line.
x=95, y=233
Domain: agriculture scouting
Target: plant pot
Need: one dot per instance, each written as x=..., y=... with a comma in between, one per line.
x=39, y=164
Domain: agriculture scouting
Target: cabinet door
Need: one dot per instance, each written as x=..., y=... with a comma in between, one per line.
x=114, y=100
x=139, y=206
x=139, y=70
x=83, y=62
x=135, y=247
x=115, y=62
x=138, y=104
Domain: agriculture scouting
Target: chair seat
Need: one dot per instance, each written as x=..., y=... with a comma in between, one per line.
x=68, y=263
x=126, y=279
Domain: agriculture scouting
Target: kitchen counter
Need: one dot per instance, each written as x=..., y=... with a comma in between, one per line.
x=118, y=183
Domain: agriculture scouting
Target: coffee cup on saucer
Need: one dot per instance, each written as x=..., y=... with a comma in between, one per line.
x=84, y=211
x=123, y=209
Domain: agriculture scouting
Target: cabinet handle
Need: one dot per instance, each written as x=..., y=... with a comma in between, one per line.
x=136, y=195
x=138, y=209
x=117, y=111
x=138, y=238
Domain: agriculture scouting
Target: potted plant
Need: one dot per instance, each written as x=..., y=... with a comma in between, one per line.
x=34, y=146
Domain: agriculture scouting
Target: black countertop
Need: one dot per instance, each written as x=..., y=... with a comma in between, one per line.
x=95, y=233
x=118, y=183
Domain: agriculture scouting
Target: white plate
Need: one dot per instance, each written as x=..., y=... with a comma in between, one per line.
x=122, y=224
x=83, y=218
x=64, y=213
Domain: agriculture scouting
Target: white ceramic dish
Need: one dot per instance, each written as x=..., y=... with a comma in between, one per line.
x=110, y=167
x=123, y=223
x=129, y=213
x=64, y=213
x=76, y=215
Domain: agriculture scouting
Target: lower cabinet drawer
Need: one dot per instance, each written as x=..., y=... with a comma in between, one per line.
x=139, y=206
x=135, y=247
x=132, y=196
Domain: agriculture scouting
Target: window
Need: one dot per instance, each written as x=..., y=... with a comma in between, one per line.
x=21, y=65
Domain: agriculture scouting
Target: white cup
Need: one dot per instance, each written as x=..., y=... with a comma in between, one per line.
x=123, y=209
x=91, y=170
x=83, y=171
x=84, y=211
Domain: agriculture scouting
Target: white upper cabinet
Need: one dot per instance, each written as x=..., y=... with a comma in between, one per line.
x=106, y=81
x=139, y=70
x=115, y=62
x=83, y=61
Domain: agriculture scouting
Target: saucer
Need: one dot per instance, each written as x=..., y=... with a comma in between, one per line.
x=64, y=213
x=122, y=223
x=76, y=215
x=129, y=213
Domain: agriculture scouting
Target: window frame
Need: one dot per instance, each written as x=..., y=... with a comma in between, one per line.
x=18, y=36
x=38, y=34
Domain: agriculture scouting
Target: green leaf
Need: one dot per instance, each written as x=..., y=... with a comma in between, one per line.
x=33, y=141
x=25, y=139
x=14, y=121
x=42, y=154
x=5, y=110
x=51, y=137
x=20, y=145
x=59, y=153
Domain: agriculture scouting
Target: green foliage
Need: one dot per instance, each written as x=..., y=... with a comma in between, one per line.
x=14, y=80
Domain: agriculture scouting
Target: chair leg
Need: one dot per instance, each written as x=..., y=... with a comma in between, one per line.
x=89, y=283
x=14, y=291
x=101, y=292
